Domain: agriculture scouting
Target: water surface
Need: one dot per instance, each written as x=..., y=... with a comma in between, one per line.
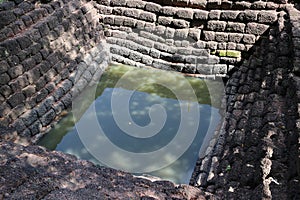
x=145, y=94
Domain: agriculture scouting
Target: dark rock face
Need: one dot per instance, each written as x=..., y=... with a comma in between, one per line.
x=34, y=173
x=257, y=153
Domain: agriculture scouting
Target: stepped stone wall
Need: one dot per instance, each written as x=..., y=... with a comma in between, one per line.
x=50, y=52
x=44, y=48
x=257, y=151
x=204, y=37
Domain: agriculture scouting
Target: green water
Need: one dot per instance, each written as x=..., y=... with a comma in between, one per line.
x=129, y=104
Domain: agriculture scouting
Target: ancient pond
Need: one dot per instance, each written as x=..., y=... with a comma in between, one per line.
x=143, y=121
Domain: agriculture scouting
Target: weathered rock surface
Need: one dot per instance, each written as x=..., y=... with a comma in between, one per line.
x=35, y=173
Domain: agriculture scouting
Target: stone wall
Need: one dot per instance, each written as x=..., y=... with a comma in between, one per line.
x=257, y=152
x=43, y=49
x=204, y=37
x=51, y=52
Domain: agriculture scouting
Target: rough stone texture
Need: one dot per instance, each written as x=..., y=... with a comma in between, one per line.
x=40, y=57
x=249, y=158
x=207, y=24
x=48, y=54
x=34, y=173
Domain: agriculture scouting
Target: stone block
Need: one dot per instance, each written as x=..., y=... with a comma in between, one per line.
x=181, y=33
x=249, y=39
x=200, y=52
x=5, y=90
x=213, y=60
x=150, y=27
x=256, y=29
x=198, y=3
x=147, y=60
x=136, y=4
x=27, y=20
x=58, y=93
x=52, y=22
x=24, y=42
x=132, y=12
x=3, y=66
x=209, y=35
x=15, y=71
x=67, y=100
x=53, y=58
x=16, y=99
x=41, y=109
x=235, y=37
x=241, y=5
x=147, y=16
x=4, y=79
x=6, y=17
x=200, y=45
x=129, y=22
x=235, y=27
x=222, y=45
x=58, y=107
x=152, y=7
x=4, y=109
x=48, y=117
x=185, y=13
x=13, y=60
x=229, y=15
x=214, y=14
x=11, y=47
x=272, y=5
x=118, y=2
x=203, y=68
x=201, y=15
x=160, y=30
x=231, y=46
x=108, y=19
x=248, y=16
x=268, y=17
x=221, y=37
x=35, y=128
x=29, y=91
x=180, y=23
x=43, y=28
x=220, y=69
x=41, y=95
x=159, y=64
x=168, y=10
x=154, y=53
x=29, y=117
x=140, y=25
x=259, y=5
x=104, y=10
x=190, y=59
x=160, y=46
x=194, y=34
x=216, y=25
x=166, y=21
x=170, y=32
x=118, y=20
x=184, y=51
x=212, y=45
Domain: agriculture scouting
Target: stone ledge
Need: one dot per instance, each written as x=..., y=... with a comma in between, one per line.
x=33, y=173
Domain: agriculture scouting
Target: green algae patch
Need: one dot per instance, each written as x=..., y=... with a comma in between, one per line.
x=227, y=53
x=234, y=54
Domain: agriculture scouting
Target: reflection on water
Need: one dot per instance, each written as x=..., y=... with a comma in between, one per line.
x=64, y=137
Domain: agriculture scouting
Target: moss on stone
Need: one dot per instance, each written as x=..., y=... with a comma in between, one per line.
x=227, y=53
x=232, y=53
x=222, y=53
